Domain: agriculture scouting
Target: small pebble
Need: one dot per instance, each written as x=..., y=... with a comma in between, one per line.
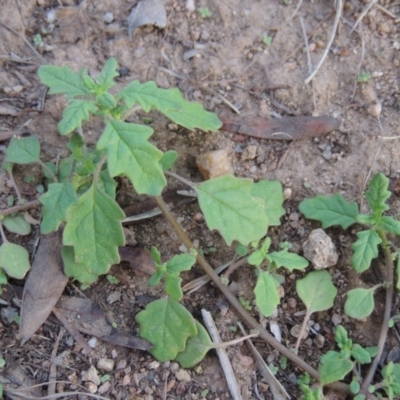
x=91, y=387
x=295, y=331
x=319, y=341
x=104, y=388
x=108, y=17
x=121, y=364
x=126, y=380
x=105, y=364
x=214, y=164
x=249, y=153
x=190, y=6
x=183, y=375
x=287, y=193
x=320, y=250
x=292, y=302
x=114, y=297
x=174, y=367
x=92, y=342
x=153, y=365
x=244, y=360
x=336, y=319
x=91, y=375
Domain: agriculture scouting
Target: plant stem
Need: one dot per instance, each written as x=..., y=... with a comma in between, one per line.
x=388, y=309
x=22, y=207
x=235, y=303
x=98, y=169
x=2, y=233
x=180, y=178
x=49, y=171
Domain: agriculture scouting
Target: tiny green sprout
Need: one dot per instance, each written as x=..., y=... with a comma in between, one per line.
x=37, y=40
x=113, y=279
x=245, y=303
x=267, y=40
x=114, y=325
x=105, y=378
x=204, y=12
x=364, y=77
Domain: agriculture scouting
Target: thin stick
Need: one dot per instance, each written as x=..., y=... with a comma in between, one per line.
x=223, y=357
x=328, y=46
x=296, y=10
x=3, y=234
x=22, y=207
x=37, y=54
x=309, y=61
x=363, y=13
x=53, y=368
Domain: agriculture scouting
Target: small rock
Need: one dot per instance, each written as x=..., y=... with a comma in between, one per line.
x=320, y=250
x=183, y=375
x=104, y=388
x=51, y=15
x=214, y=164
x=174, y=367
x=114, y=297
x=153, y=365
x=187, y=55
x=249, y=153
x=121, y=364
x=114, y=353
x=295, y=331
x=105, y=364
x=91, y=375
x=92, y=342
x=91, y=387
x=190, y=6
x=108, y=17
x=287, y=193
x=319, y=341
x=275, y=330
x=336, y=319
x=126, y=380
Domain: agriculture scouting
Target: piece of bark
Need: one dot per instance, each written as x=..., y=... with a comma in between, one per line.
x=285, y=128
x=85, y=316
x=44, y=286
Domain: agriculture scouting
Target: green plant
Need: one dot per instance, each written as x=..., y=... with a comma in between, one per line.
x=335, y=210
x=364, y=77
x=204, y=12
x=267, y=40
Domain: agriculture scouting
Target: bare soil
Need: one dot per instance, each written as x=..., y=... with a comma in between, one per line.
x=229, y=57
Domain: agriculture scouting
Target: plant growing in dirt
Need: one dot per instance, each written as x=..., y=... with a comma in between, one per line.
x=335, y=210
x=80, y=192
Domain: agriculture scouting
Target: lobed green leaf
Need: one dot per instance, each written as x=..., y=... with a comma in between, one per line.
x=196, y=348
x=389, y=224
x=272, y=193
x=334, y=210
x=267, y=297
x=56, y=202
x=365, y=250
x=359, y=303
x=290, y=261
x=173, y=287
x=180, y=263
x=360, y=354
x=227, y=205
x=94, y=230
x=76, y=270
x=74, y=114
x=130, y=153
x=316, y=291
x=23, y=150
x=171, y=103
x=63, y=80
x=333, y=367
x=167, y=325
x=108, y=73
x=14, y=260
x=377, y=194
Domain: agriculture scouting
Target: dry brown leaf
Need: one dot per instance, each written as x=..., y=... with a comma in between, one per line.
x=44, y=286
x=84, y=315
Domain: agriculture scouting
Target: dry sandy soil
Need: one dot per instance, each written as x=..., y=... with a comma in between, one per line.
x=225, y=53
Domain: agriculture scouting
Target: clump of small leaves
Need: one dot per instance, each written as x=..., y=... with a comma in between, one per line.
x=364, y=77
x=335, y=210
x=204, y=12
